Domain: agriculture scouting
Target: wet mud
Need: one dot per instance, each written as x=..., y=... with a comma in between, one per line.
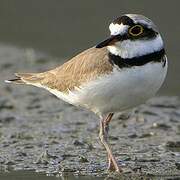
x=42, y=133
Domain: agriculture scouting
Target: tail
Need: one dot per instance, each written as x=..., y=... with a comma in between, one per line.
x=25, y=78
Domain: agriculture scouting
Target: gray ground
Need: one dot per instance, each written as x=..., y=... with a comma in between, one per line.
x=40, y=132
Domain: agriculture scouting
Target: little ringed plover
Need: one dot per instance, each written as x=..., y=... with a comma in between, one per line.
x=118, y=74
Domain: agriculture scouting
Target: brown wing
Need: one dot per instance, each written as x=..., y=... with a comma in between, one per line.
x=84, y=67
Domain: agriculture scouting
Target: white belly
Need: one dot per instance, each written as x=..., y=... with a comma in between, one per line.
x=120, y=90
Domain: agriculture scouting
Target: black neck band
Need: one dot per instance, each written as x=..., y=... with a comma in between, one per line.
x=136, y=61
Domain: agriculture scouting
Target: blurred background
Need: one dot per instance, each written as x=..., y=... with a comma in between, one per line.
x=63, y=28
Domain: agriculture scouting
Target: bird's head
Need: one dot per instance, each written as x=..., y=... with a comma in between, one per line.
x=131, y=36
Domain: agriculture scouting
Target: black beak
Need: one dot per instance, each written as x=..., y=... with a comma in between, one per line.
x=110, y=41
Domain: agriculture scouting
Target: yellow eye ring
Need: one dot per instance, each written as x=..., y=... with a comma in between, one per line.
x=136, y=30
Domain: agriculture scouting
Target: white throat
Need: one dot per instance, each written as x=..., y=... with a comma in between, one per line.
x=136, y=48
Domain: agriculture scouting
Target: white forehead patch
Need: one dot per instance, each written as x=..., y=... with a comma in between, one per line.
x=118, y=28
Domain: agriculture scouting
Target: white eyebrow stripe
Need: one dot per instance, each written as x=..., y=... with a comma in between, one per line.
x=118, y=29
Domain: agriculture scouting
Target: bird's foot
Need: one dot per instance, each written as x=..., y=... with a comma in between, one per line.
x=114, y=167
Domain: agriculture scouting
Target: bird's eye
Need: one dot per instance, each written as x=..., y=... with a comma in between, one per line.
x=136, y=30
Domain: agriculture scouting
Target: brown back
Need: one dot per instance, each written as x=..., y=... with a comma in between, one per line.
x=84, y=67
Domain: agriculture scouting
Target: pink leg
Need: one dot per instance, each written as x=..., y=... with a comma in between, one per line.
x=112, y=164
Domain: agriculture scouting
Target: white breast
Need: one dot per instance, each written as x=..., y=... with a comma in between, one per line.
x=120, y=90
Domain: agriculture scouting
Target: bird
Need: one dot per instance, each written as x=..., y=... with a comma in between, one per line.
x=117, y=74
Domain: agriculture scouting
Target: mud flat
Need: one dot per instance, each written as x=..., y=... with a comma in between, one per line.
x=39, y=132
